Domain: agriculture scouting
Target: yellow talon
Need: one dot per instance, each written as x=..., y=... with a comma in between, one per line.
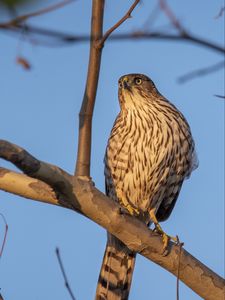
x=133, y=211
x=165, y=237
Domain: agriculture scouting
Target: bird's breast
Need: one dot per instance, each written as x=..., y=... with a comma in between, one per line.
x=141, y=152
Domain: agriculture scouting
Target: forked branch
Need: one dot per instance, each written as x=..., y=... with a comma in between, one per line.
x=121, y=21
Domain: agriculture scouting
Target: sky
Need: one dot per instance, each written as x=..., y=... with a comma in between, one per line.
x=39, y=111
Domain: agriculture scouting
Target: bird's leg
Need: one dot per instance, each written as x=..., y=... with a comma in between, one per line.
x=165, y=237
x=125, y=205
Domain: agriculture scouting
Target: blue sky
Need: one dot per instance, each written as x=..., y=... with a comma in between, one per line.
x=39, y=111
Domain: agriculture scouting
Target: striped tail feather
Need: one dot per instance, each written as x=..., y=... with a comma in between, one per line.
x=116, y=272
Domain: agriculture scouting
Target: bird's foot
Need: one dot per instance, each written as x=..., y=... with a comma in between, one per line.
x=165, y=238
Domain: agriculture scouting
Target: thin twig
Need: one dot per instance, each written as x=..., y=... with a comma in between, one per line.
x=201, y=72
x=5, y=235
x=220, y=13
x=64, y=273
x=220, y=96
x=114, y=27
x=65, y=38
x=148, y=23
x=178, y=268
x=173, y=19
x=23, y=18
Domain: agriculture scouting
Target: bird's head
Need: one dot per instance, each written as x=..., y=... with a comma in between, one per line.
x=135, y=89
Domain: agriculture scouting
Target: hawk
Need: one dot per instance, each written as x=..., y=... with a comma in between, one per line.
x=149, y=153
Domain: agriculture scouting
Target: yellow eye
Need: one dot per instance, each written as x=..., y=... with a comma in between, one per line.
x=138, y=81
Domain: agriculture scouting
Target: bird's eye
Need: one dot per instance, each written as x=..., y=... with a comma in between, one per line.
x=120, y=84
x=138, y=81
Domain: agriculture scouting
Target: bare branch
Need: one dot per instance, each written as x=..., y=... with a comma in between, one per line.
x=65, y=38
x=201, y=72
x=21, y=19
x=27, y=187
x=59, y=180
x=178, y=269
x=220, y=96
x=132, y=232
x=173, y=19
x=121, y=21
x=148, y=23
x=64, y=274
x=220, y=13
x=87, y=107
x=5, y=234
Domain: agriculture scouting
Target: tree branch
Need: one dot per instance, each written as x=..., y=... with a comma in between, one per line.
x=64, y=274
x=220, y=96
x=23, y=18
x=173, y=19
x=59, y=180
x=66, y=38
x=5, y=234
x=87, y=107
x=27, y=187
x=201, y=72
x=121, y=21
x=220, y=13
x=85, y=198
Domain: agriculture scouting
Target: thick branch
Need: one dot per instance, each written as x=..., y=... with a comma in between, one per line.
x=86, y=111
x=59, y=180
x=107, y=213
x=27, y=187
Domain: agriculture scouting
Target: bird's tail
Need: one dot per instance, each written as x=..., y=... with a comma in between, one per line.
x=116, y=272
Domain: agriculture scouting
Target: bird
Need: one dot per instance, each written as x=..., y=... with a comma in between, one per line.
x=149, y=153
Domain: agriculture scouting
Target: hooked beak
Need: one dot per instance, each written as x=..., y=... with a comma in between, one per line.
x=126, y=85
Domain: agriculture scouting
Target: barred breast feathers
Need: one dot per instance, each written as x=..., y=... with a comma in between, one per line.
x=150, y=137
x=159, y=121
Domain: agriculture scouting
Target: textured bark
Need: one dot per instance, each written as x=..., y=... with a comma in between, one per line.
x=27, y=187
x=79, y=194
